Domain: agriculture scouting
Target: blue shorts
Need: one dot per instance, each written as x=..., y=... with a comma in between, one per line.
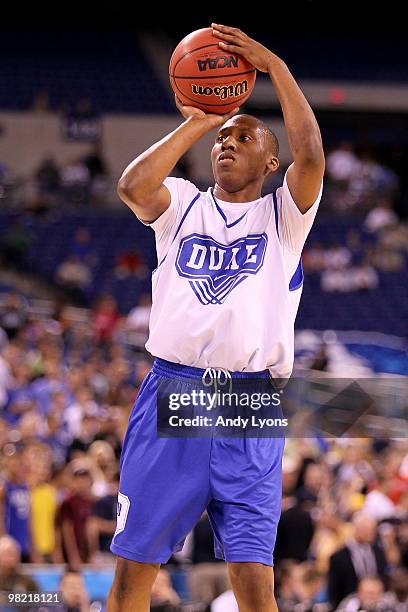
x=167, y=483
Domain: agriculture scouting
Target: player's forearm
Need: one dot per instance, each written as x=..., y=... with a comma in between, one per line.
x=302, y=128
x=145, y=175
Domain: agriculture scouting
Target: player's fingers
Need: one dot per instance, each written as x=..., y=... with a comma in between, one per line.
x=232, y=48
x=226, y=29
x=231, y=113
x=237, y=36
x=228, y=37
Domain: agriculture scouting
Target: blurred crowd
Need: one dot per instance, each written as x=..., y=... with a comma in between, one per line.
x=379, y=245
x=357, y=180
x=79, y=182
x=67, y=385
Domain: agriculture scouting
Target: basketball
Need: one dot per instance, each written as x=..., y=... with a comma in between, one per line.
x=207, y=77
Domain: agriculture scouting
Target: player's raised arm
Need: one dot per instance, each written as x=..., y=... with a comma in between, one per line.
x=305, y=174
x=141, y=185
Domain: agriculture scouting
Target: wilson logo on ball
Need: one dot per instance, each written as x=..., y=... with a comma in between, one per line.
x=207, y=77
x=222, y=61
x=223, y=91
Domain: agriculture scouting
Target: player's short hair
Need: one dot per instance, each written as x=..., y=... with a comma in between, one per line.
x=271, y=136
x=273, y=140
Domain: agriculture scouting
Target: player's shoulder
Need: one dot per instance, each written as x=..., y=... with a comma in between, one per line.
x=181, y=190
x=180, y=184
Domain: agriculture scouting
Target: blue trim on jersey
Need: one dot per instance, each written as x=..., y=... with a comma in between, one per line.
x=189, y=207
x=275, y=206
x=162, y=367
x=297, y=279
x=218, y=207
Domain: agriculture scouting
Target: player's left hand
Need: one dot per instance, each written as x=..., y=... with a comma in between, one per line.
x=235, y=41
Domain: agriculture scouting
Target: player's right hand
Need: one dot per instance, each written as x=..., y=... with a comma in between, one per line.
x=196, y=113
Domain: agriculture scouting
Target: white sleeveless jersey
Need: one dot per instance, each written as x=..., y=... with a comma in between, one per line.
x=229, y=279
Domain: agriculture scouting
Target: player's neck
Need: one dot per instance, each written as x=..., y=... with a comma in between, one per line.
x=248, y=194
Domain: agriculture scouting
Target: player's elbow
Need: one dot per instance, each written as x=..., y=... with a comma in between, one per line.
x=128, y=191
x=122, y=189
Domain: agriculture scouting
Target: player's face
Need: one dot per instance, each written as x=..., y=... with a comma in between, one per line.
x=240, y=154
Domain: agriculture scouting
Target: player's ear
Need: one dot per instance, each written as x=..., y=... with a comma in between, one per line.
x=272, y=164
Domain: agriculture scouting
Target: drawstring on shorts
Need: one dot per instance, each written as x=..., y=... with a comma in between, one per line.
x=217, y=377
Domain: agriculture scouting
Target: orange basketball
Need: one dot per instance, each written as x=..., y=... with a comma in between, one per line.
x=204, y=75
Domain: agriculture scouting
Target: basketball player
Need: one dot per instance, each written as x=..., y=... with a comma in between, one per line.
x=225, y=296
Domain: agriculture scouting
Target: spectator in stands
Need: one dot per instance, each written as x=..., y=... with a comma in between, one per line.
x=12, y=580
x=44, y=387
x=105, y=317
x=98, y=173
x=342, y=163
x=164, y=598
x=80, y=404
x=138, y=319
x=361, y=277
x=75, y=181
x=320, y=360
x=387, y=259
x=48, y=177
x=102, y=465
x=337, y=257
x=397, y=595
x=353, y=241
x=284, y=582
x=306, y=584
x=131, y=262
x=102, y=522
x=8, y=183
x=73, y=593
x=56, y=437
x=314, y=258
x=331, y=533
x=82, y=248
x=395, y=237
x=15, y=244
x=43, y=509
x=377, y=503
x=13, y=314
x=335, y=280
x=371, y=181
x=314, y=479
x=15, y=502
x=90, y=427
x=74, y=276
x=360, y=558
x=121, y=388
x=369, y=597
x=74, y=515
x=208, y=578
x=225, y=603
x=381, y=217
x=295, y=533
x=95, y=162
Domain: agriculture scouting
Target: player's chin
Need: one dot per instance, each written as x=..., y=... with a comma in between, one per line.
x=231, y=171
